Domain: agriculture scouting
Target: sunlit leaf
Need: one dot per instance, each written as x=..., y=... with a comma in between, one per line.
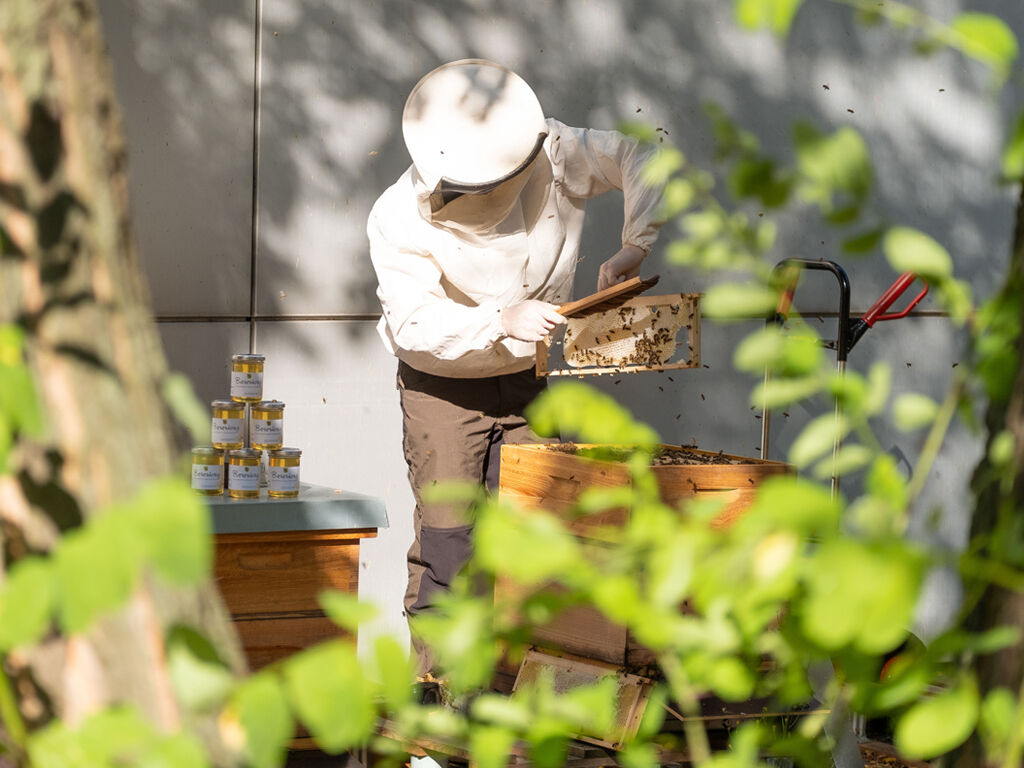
x=641, y=131
x=909, y=250
x=678, y=195
x=702, y=225
x=512, y=713
x=491, y=746
x=793, y=504
x=26, y=602
x=96, y=570
x=758, y=177
x=818, y=437
x=885, y=481
x=792, y=353
x=174, y=531
x=19, y=405
x=879, y=386
x=776, y=15
x=832, y=163
x=333, y=699
x=938, y=724
x=997, y=720
x=851, y=458
x=987, y=38
x=572, y=409
x=913, y=410
x=662, y=164
x=259, y=709
x=200, y=678
x=394, y=672
x=778, y=392
x=731, y=678
x=345, y=609
x=739, y=301
x=1013, y=153
x=531, y=548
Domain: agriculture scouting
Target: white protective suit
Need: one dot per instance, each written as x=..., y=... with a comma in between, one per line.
x=445, y=275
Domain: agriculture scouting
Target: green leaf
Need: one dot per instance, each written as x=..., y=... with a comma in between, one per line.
x=830, y=164
x=731, y=678
x=909, y=250
x=26, y=602
x=817, y=438
x=179, y=750
x=850, y=458
x=1013, y=153
x=778, y=392
x=574, y=410
x=997, y=720
x=19, y=406
x=863, y=242
x=886, y=482
x=185, y=407
x=333, y=699
x=793, y=353
x=661, y=166
x=529, y=547
x=394, y=671
x=678, y=195
x=790, y=503
x=936, y=725
x=491, y=746
x=96, y=570
x=776, y=15
x=879, y=386
x=199, y=676
x=845, y=604
x=702, y=225
x=258, y=707
x=988, y=39
x=345, y=609
x=913, y=411
x=729, y=301
x=757, y=177
x=174, y=531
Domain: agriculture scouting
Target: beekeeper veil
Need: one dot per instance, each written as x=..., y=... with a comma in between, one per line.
x=474, y=130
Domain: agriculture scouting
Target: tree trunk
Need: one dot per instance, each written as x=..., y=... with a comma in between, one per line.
x=995, y=500
x=69, y=277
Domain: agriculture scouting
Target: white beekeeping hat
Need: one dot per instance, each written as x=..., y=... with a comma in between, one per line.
x=472, y=124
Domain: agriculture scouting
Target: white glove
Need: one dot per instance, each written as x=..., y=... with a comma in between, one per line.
x=620, y=267
x=530, y=320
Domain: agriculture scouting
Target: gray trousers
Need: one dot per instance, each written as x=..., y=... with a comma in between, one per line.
x=453, y=430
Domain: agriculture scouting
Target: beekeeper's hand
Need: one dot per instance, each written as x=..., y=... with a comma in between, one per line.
x=620, y=267
x=530, y=320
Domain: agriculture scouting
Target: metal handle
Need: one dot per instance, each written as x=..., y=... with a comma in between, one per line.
x=887, y=299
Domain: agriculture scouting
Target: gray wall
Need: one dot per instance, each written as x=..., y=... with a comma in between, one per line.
x=292, y=275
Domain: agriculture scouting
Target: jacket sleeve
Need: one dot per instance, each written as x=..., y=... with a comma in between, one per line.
x=594, y=162
x=419, y=315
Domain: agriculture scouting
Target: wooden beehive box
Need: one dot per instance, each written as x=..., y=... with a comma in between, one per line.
x=552, y=477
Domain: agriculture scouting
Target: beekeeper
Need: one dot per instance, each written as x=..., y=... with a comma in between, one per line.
x=474, y=247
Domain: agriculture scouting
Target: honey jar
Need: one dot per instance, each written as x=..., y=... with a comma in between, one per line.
x=284, y=473
x=244, y=474
x=267, y=427
x=247, y=378
x=227, y=428
x=207, y=471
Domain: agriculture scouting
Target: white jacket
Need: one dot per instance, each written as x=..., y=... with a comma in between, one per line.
x=442, y=289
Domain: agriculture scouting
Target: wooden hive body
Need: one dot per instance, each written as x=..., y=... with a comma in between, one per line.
x=544, y=477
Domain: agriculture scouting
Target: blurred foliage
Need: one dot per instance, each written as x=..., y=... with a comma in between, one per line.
x=803, y=579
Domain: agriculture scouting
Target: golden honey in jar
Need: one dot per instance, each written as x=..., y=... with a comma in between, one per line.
x=283, y=471
x=266, y=431
x=227, y=429
x=247, y=378
x=244, y=474
x=207, y=471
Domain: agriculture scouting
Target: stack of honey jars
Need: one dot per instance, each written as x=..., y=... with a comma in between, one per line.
x=247, y=436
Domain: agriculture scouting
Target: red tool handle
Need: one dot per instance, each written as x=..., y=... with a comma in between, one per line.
x=887, y=299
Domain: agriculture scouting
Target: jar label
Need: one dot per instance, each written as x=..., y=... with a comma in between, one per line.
x=243, y=478
x=284, y=478
x=246, y=384
x=207, y=477
x=268, y=432
x=228, y=431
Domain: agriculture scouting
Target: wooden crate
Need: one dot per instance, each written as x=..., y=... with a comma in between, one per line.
x=544, y=477
x=270, y=581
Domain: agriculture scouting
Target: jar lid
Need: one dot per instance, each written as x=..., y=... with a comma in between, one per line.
x=206, y=450
x=248, y=358
x=231, y=405
x=269, y=405
x=286, y=453
x=245, y=453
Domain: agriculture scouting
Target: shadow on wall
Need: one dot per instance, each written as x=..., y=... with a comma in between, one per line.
x=335, y=75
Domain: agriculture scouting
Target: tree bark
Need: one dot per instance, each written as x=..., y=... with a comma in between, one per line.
x=998, y=606
x=70, y=278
